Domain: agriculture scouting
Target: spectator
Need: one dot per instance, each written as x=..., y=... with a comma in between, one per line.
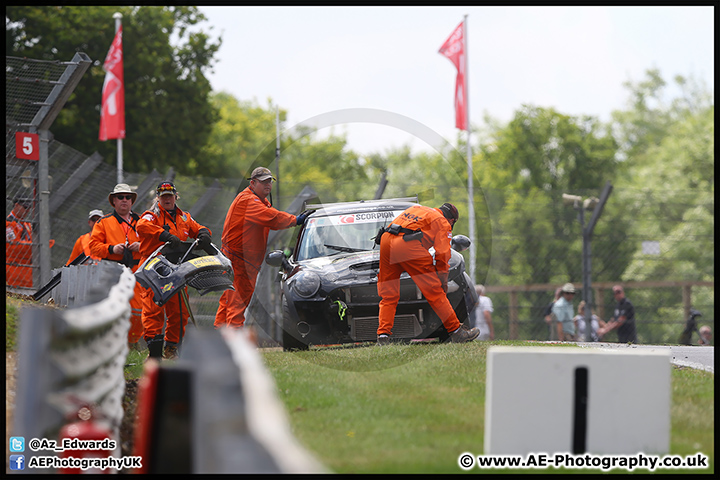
x=165, y=222
x=16, y=228
x=705, y=335
x=404, y=248
x=244, y=239
x=563, y=311
x=482, y=315
x=595, y=321
x=550, y=318
x=18, y=244
x=623, y=318
x=114, y=237
x=690, y=327
x=82, y=244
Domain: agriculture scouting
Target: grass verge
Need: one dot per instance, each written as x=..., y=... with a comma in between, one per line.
x=416, y=408
x=407, y=408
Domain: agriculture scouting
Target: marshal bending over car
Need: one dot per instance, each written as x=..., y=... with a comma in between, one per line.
x=329, y=282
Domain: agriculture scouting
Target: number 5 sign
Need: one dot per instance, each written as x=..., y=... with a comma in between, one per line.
x=27, y=146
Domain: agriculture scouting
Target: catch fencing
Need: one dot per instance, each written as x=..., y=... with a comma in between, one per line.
x=35, y=92
x=661, y=304
x=76, y=183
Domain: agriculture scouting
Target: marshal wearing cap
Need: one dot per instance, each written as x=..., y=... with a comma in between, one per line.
x=166, y=188
x=261, y=174
x=24, y=201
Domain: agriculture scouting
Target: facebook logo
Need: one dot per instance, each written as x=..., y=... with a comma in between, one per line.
x=17, y=462
x=17, y=444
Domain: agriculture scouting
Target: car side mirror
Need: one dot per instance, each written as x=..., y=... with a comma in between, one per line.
x=460, y=243
x=277, y=258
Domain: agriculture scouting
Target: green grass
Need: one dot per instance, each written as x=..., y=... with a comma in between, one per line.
x=13, y=306
x=134, y=362
x=416, y=408
x=11, y=324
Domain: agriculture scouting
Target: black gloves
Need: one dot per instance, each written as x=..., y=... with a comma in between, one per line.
x=303, y=216
x=169, y=237
x=204, y=239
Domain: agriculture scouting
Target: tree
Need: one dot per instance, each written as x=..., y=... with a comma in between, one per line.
x=336, y=173
x=675, y=175
x=667, y=188
x=168, y=112
x=526, y=168
x=243, y=137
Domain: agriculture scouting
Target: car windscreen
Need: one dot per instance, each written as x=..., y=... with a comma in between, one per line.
x=331, y=235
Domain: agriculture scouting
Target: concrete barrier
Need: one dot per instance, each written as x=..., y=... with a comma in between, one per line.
x=568, y=400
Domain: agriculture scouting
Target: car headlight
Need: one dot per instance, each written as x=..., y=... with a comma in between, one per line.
x=306, y=284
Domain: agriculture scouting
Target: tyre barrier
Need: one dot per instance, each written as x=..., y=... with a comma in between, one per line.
x=74, y=358
x=214, y=410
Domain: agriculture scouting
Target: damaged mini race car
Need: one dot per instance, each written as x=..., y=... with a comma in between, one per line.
x=329, y=282
x=169, y=269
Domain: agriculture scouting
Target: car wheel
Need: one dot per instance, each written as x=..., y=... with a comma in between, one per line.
x=290, y=336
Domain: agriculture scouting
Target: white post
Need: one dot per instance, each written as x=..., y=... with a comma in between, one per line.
x=118, y=21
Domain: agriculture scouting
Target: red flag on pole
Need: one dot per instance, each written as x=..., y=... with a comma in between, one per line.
x=454, y=50
x=112, y=115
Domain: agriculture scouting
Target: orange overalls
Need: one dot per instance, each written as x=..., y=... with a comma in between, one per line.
x=398, y=256
x=244, y=240
x=149, y=227
x=18, y=252
x=112, y=230
x=82, y=245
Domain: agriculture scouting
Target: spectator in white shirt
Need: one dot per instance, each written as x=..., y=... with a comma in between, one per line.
x=482, y=315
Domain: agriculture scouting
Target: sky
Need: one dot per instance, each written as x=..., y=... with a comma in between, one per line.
x=374, y=74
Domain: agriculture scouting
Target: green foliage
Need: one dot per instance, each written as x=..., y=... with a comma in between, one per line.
x=168, y=114
x=666, y=194
x=336, y=173
x=683, y=161
x=526, y=167
x=243, y=137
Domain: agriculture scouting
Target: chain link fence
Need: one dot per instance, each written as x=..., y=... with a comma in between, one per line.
x=661, y=303
x=35, y=92
x=509, y=246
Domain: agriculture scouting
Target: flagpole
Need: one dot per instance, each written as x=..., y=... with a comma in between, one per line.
x=277, y=154
x=471, y=203
x=118, y=22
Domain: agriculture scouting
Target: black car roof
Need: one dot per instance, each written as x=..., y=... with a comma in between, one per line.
x=362, y=206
